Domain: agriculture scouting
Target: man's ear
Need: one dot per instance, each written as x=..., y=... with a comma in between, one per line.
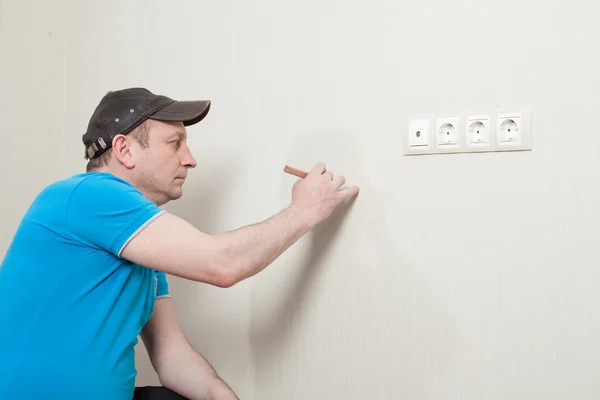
x=123, y=151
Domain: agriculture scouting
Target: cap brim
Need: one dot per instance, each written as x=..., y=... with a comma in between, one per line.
x=188, y=112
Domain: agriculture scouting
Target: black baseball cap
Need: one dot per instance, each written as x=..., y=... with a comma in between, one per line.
x=121, y=111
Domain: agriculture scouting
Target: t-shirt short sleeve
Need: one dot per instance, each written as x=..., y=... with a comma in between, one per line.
x=163, y=286
x=108, y=212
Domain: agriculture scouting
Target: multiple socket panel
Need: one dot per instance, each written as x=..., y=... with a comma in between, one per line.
x=484, y=130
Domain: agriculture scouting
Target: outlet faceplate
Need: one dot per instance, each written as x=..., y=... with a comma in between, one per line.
x=469, y=131
x=418, y=133
x=447, y=132
x=509, y=129
x=478, y=131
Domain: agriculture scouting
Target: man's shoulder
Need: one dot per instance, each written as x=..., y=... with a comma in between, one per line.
x=97, y=184
x=98, y=210
x=91, y=188
x=90, y=180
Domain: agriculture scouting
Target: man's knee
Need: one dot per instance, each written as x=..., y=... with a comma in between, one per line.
x=155, y=393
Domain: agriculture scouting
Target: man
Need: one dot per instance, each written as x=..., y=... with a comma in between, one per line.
x=86, y=271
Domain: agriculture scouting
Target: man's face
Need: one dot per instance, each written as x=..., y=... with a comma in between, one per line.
x=161, y=168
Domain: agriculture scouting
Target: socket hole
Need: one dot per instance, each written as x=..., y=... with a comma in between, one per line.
x=476, y=132
x=477, y=127
x=447, y=128
x=447, y=134
x=507, y=127
x=418, y=133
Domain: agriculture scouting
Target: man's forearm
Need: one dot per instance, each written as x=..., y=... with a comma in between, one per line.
x=252, y=248
x=221, y=391
x=192, y=376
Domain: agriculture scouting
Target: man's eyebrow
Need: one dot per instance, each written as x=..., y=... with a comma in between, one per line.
x=177, y=134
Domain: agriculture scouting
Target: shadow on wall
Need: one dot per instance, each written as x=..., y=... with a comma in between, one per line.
x=202, y=204
x=350, y=318
x=210, y=316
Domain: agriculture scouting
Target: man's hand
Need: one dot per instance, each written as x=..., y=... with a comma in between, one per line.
x=319, y=193
x=174, y=246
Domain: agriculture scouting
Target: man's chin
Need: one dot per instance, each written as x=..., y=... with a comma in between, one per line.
x=176, y=194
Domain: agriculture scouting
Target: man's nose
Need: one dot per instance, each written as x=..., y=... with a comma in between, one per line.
x=188, y=160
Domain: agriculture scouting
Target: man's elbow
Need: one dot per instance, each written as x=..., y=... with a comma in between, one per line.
x=226, y=274
x=219, y=274
x=229, y=270
x=225, y=279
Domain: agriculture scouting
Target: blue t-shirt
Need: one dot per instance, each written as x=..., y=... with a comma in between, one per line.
x=71, y=307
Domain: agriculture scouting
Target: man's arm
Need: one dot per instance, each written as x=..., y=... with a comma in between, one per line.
x=174, y=246
x=179, y=367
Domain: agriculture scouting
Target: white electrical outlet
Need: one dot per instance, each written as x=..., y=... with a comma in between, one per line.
x=509, y=129
x=478, y=131
x=447, y=132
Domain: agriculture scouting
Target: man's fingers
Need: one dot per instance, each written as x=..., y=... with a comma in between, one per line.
x=319, y=168
x=328, y=174
x=339, y=181
x=349, y=192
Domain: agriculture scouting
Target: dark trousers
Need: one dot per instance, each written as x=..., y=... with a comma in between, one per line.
x=155, y=393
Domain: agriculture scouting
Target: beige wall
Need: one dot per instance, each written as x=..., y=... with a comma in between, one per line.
x=32, y=104
x=470, y=276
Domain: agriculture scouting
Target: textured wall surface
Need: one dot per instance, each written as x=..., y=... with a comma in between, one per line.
x=32, y=104
x=470, y=276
